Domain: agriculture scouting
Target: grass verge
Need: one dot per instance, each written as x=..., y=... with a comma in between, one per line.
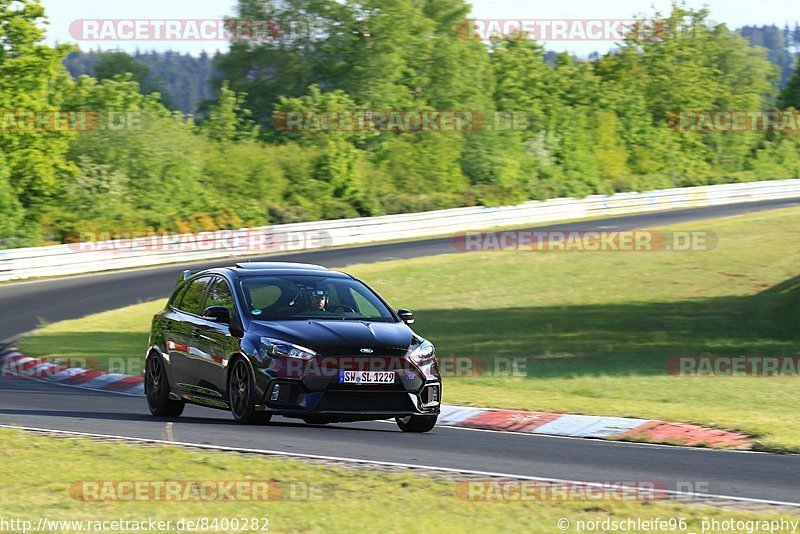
x=321, y=498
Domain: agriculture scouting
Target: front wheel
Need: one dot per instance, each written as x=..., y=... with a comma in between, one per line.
x=241, y=395
x=417, y=423
x=156, y=388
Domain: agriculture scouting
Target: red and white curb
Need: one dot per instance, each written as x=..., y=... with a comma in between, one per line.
x=593, y=426
x=545, y=423
x=14, y=363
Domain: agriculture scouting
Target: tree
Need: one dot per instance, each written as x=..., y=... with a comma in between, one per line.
x=790, y=95
x=11, y=212
x=32, y=80
x=228, y=118
x=111, y=64
x=554, y=125
x=183, y=81
x=777, y=43
x=612, y=158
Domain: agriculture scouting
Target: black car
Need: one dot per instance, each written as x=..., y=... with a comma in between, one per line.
x=289, y=339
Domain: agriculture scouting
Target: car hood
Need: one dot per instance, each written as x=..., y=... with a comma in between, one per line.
x=326, y=336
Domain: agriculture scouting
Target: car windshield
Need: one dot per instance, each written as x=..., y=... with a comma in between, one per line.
x=287, y=297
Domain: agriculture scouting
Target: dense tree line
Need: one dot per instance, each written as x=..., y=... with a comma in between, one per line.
x=182, y=80
x=782, y=45
x=595, y=126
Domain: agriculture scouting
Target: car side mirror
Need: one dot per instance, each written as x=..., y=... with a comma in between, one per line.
x=406, y=316
x=217, y=314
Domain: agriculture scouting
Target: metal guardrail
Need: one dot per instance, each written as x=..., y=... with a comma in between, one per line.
x=96, y=256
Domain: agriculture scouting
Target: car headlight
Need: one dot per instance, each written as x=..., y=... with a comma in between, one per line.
x=276, y=347
x=423, y=353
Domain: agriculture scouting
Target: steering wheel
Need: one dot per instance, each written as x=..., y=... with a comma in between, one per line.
x=343, y=306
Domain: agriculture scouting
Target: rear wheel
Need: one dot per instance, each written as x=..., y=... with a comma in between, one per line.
x=156, y=388
x=417, y=423
x=241, y=395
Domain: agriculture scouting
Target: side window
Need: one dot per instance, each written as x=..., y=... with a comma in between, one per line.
x=220, y=295
x=175, y=300
x=365, y=307
x=192, y=301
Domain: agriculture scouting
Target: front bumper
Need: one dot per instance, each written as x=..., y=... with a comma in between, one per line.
x=314, y=388
x=292, y=399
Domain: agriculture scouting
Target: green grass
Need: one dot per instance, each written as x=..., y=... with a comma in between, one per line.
x=345, y=500
x=597, y=328
x=115, y=339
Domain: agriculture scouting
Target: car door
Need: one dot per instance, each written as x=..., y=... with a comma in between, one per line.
x=175, y=341
x=183, y=329
x=213, y=342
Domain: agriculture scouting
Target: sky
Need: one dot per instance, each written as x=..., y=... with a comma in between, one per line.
x=734, y=13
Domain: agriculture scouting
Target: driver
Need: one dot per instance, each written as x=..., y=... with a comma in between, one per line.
x=319, y=300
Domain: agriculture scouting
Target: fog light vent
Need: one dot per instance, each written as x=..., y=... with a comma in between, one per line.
x=430, y=395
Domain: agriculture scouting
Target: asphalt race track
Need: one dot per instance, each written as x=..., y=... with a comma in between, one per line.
x=754, y=475
x=34, y=404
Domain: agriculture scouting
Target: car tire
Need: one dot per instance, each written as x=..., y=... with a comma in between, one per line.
x=242, y=395
x=417, y=423
x=156, y=389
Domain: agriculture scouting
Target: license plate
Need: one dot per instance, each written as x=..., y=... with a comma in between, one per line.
x=366, y=377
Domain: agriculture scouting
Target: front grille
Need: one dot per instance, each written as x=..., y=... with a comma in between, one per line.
x=364, y=401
